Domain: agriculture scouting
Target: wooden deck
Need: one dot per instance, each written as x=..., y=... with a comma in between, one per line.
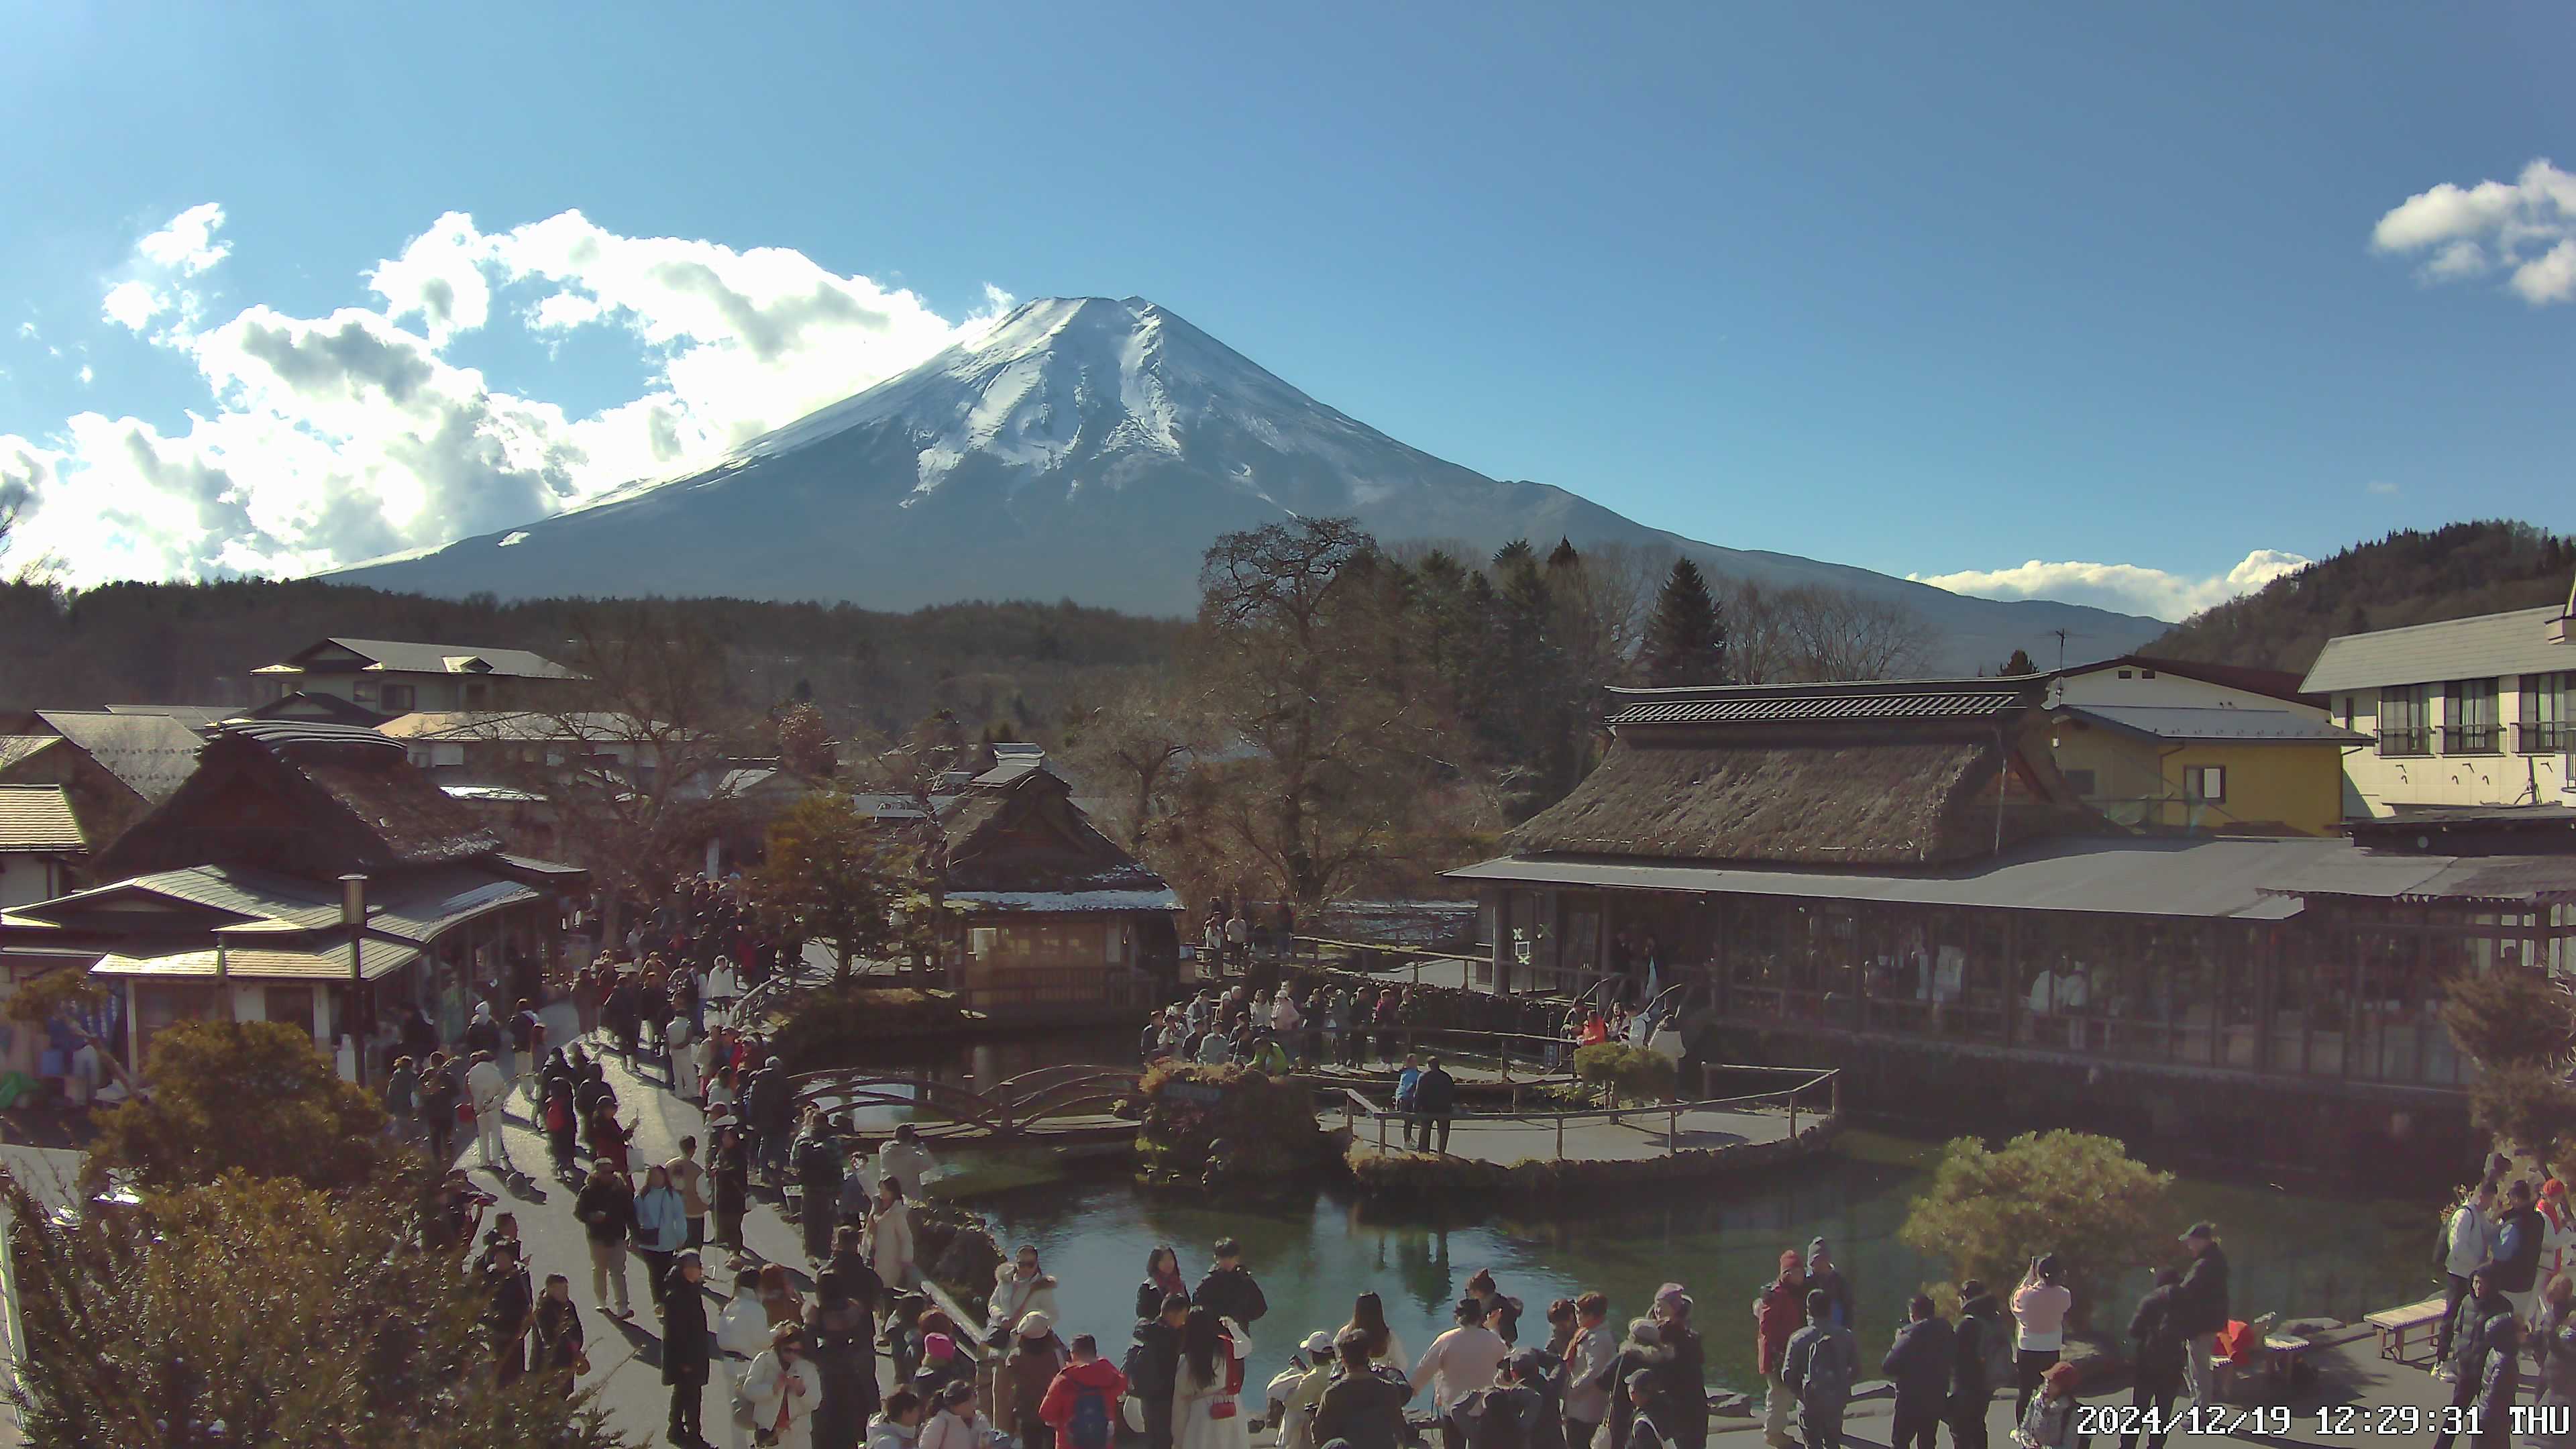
x=1640, y=1136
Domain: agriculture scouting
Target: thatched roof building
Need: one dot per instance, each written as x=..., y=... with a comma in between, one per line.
x=1901, y=773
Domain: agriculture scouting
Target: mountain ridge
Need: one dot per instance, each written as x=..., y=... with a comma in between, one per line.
x=1090, y=449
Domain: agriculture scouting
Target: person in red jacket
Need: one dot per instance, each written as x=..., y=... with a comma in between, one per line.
x=1778, y=1313
x=1081, y=1404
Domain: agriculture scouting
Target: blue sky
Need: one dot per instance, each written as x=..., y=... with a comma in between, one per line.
x=1930, y=290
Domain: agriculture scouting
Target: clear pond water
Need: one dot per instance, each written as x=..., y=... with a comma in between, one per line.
x=1314, y=1249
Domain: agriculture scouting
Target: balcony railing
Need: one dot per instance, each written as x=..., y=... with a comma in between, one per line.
x=2470, y=739
x=2555, y=737
x=2405, y=742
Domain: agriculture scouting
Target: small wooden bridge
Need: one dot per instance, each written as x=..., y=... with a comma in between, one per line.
x=1059, y=1105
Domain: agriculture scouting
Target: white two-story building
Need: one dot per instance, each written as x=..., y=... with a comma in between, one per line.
x=2466, y=713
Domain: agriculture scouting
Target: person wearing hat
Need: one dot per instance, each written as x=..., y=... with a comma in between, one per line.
x=1643, y=1431
x=2199, y=1312
x=1777, y=1316
x=785, y=1389
x=1820, y=1368
x=2050, y=1422
x=1824, y=1276
x=1033, y=1360
x=1298, y=1388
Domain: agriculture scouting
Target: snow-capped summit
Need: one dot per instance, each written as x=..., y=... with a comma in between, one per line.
x=1088, y=449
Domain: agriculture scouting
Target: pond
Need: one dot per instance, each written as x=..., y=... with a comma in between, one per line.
x=1314, y=1249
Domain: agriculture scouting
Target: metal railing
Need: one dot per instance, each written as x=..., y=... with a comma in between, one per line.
x=2470, y=739
x=2417, y=741
x=2552, y=737
x=1793, y=1100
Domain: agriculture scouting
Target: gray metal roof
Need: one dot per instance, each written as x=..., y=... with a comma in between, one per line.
x=2199, y=722
x=38, y=818
x=401, y=656
x=2515, y=878
x=199, y=717
x=2487, y=646
x=152, y=754
x=1861, y=700
x=2119, y=875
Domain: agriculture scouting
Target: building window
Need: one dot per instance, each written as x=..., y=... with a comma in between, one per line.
x=2469, y=717
x=2205, y=784
x=2402, y=722
x=2146, y=674
x=398, y=698
x=2126, y=674
x=2546, y=728
x=2080, y=781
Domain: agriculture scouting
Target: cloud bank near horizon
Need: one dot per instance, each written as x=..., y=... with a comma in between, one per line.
x=327, y=440
x=2125, y=588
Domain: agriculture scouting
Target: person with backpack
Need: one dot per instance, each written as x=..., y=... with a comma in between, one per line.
x=1984, y=1360
x=1920, y=1363
x=1643, y=1431
x=1458, y=1363
x=1153, y=1366
x=1081, y=1403
x=2155, y=1361
x=1777, y=1316
x=1363, y=1406
x=1508, y=1413
x=1819, y=1368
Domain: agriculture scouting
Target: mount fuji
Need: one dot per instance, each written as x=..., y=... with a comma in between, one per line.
x=1091, y=449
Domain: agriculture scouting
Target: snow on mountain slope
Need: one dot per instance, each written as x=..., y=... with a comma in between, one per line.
x=1090, y=449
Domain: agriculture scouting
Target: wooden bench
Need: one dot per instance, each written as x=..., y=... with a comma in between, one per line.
x=2394, y=1324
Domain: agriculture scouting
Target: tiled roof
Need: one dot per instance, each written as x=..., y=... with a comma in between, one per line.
x=38, y=818
x=2486, y=646
x=17, y=748
x=1791, y=703
x=152, y=754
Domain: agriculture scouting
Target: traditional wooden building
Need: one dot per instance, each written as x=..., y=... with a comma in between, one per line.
x=1896, y=878
x=1051, y=915
x=305, y=873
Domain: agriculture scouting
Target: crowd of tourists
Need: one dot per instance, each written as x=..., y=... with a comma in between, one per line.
x=2508, y=1256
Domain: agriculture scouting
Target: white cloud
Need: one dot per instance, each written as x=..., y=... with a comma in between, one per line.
x=2525, y=227
x=132, y=305
x=326, y=440
x=2127, y=588
x=2380, y=487
x=187, y=245
x=86, y=375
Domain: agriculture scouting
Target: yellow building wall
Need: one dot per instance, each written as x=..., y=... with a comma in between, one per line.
x=2274, y=787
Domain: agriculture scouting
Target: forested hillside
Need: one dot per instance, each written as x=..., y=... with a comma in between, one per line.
x=1016, y=666
x=2409, y=577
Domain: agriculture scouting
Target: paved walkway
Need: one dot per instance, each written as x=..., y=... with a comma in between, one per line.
x=1640, y=1135
x=625, y=1358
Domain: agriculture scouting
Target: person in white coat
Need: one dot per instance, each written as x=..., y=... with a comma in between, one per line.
x=684, y=1058
x=1025, y=1289
x=785, y=1388
x=1207, y=1383
x=890, y=1236
x=1299, y=1388
x=2469, y=1238
x=957, y=1425
x=489, y=1091
x=905, y=1160
x=742, y=1335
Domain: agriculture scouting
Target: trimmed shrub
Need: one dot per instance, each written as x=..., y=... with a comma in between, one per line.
x=1204, y=1125
x=1626, y=1072
x=2074, y=1194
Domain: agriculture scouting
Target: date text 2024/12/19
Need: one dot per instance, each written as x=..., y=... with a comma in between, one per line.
x=2331, y=1421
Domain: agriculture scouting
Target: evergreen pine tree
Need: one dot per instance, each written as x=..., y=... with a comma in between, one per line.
x=1686, y=638
x=2019, y=663
x=1563, y=555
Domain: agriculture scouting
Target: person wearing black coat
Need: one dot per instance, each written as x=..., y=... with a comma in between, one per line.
x=1921, y=1363
x=1435, y=1101
x=2200, y=1303
x=1362, y=1406
x=732, y=1173
x=1683, y=1414
x=687, y=1349
x=506, y=1315
x=1228, y=1290
x=1979, y=1338
x=842, y=1334
x=2483, y=1316
x=2157, y=1359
